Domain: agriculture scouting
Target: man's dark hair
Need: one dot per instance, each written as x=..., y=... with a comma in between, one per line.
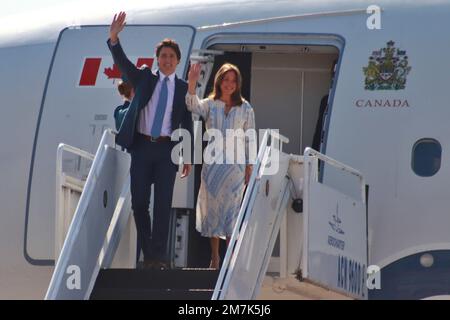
x=170, y=44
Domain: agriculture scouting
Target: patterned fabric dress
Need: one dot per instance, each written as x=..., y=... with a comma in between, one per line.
x=222, y=184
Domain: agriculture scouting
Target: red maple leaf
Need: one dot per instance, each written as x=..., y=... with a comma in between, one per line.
x=113, y=73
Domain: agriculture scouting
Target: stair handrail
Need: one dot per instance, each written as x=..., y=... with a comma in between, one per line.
x=56, y=283
x=312, y=157
x=59, y=205
x=276, y=141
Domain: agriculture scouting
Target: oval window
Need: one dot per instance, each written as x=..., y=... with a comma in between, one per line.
x=426, y=157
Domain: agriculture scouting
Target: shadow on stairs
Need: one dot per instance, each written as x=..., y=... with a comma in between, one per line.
x=135, y=284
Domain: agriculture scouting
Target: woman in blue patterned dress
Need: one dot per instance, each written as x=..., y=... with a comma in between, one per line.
x=222, y=184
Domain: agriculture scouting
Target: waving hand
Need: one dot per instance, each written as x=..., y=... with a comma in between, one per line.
x=117, y=25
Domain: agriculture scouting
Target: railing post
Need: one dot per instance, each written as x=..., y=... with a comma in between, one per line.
x=60, y=204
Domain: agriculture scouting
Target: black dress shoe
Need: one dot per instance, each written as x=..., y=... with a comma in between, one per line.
x=155, y=265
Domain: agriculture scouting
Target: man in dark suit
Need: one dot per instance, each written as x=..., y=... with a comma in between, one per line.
x=157, y=109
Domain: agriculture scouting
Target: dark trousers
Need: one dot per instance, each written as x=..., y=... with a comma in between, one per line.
x=151, y=163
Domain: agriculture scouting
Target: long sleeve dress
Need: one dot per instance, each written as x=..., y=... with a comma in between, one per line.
x=222, y=184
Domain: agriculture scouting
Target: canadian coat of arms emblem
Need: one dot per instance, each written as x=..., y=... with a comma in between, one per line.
x=387, y=69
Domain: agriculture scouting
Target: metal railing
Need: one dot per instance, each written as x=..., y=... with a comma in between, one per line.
x=312, y=157
x=311, y=176
x=245, y=211
x=97, y=224
x=65, y=187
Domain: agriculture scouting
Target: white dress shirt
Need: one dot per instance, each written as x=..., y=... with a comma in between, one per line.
x=148, y=112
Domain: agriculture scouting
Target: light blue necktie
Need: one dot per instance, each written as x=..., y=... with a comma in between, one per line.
x=160, y=110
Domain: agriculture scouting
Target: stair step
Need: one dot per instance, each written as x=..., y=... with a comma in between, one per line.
x=143, y=294
x=189, y=284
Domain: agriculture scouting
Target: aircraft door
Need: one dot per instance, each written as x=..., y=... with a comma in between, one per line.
x=78, y=104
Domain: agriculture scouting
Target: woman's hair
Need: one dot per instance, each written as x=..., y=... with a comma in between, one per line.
x=125, y=89
x=236, y=97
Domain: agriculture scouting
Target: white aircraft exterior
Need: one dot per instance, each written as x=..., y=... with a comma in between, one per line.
x=387, y=116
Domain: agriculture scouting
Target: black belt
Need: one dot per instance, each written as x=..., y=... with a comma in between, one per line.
x=153, y=139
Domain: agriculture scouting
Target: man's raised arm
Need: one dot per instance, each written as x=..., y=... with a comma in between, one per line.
x=127, y=68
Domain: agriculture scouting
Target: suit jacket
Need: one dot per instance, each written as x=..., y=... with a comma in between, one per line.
x=144, y=82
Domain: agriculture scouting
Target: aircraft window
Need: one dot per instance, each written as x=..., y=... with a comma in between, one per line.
x=426, y=157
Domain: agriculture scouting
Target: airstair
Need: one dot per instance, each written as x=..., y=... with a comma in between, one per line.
x=322, y=232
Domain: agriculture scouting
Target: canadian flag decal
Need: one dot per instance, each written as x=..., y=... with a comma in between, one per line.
x=91, y=77
x=90, y=70
x=113, y=73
